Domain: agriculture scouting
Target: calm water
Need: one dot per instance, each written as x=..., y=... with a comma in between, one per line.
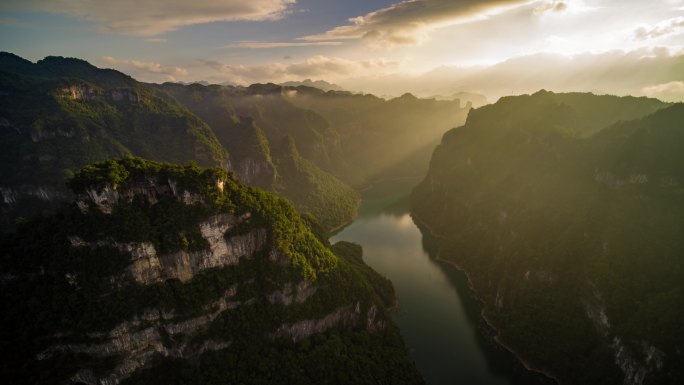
x=438, y=317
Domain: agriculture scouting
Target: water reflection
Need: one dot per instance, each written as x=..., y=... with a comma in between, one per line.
x=438, y=317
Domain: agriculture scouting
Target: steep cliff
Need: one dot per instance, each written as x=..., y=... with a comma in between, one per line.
x=568, y=223
x=258, y=155
x=159, y=273
x=378, y=138
x=59, y=114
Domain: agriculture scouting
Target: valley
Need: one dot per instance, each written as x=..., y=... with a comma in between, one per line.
x=197, y=233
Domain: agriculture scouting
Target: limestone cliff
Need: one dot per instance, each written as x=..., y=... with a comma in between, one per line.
x=156, y=264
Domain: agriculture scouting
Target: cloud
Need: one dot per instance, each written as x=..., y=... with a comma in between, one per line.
x=550, y=6
x=314, y=67
x=275, y=44
x=671, y=91
x=664, y=28
x=152, y=17
x=146, y=68
x=620, y=73
x=155, y=40
x=410, y=22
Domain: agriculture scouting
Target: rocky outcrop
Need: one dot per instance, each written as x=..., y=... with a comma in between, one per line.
x=148, y=335
x=118, y=95
x=106, y=196
x=80, y=92
x=291, y=293
x=11, y=195
x=255, y=172
x=634, y=370
x=40, y=133
x=345, y=316
x=87, y=93
x=5, y=124
x=348, y=316
x=183, y=265
x=148, y=267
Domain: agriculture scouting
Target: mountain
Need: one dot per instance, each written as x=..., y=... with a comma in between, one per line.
x=59, y=114
x=344, y=138
x=320, y=84
x=340, y=132
x=476, y=100
x=323, y=195
x=378, y=138
x=270, y=158
x=565, y=211
x=165, y=274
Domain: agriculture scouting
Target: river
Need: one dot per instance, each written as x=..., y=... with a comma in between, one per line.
x=437, y=315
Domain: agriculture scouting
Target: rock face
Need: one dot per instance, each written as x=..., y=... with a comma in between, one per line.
x=86, y=93
x=147, y=267
x=140, y=340
x=346, y=316
x=255, y=172
x=106, y=196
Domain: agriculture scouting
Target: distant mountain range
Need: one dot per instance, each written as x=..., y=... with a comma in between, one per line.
x=320, y=84
x=475, y=100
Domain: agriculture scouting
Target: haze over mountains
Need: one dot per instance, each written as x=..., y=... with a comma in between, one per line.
x=60, y=114
x=173, y=175
x=564, y=210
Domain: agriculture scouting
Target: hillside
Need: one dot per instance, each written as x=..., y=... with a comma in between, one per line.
x=565, y=211
x=159, y=273
x=259, y=157
x=380, y=138
x=340, y=132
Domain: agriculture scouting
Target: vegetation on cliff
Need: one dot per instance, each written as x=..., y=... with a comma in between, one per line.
x=59, y=114
x=264, y=134
x=73, y=309
x=569, y=223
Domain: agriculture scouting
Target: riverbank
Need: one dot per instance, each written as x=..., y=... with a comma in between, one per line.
x=423, y=226
x=366, y=200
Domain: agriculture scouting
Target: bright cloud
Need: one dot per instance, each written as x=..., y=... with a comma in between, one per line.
x=551, y=6
x=152, y=17
x=410, y=22
x=664, y=28
x=671, y=91
x=170, y=73
x=653, y=72
x=280, y=44
x=314, y=67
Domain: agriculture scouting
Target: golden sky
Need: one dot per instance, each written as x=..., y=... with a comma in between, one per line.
x=428, y=47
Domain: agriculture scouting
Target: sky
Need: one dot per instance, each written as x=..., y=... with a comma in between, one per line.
x=387, y=47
